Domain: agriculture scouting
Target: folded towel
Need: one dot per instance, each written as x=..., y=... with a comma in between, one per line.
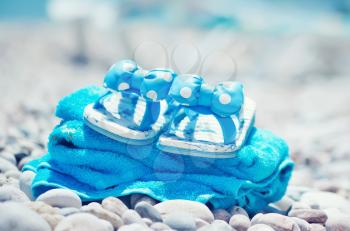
x=95, y=166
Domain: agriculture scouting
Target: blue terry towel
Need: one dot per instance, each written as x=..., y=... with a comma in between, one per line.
x=95, y=166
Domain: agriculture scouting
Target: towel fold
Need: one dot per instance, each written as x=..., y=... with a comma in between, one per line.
x=95, y=166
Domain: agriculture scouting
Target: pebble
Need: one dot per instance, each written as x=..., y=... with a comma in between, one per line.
x=240, y=222
x=303, y=225
x=134, y=227
x=284, y=204
x=83, y=222
x=238, y=210
x=131, y=216
x=309, y=215
x=52, y=219
x=276, y=221
x=11, y=193
x=200, y=223
x=41, y=207
x=6, y=165
x=136, y=198
x=147, y=221
x=16, y=216
x=13, y=174
x=180, y=221
x=317, y=227
x=217, y=225
x=68, y=211
x=337, y=220
x=8, y=156
x=97, y=210
x=114, y=205
x=196, y=209
x=300, y=205
x=326, y=200
x=221, y=214
x=60, y=198
x=25, y=183
x=148, y=211
x=158, y=226
x=260, y=227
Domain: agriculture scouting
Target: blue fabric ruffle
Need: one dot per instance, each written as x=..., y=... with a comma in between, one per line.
x=95, y=166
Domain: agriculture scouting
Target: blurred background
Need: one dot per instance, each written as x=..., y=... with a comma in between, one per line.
x=292, y=56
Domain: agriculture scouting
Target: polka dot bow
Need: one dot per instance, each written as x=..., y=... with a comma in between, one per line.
x=224, y=99
x=127, y=76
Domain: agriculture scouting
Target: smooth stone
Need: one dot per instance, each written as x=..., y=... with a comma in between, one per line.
x=196, y=209
x=326, y=200
x=260, y=227
x=240, y=222
x=6, y=165
x=25, y=183
x=217, y=225
x=337, y=220
x=303, y=225
x=180, y=221
x=276, y=221
x=158, y=226
x=68, y=211
x=221, y=214
x=41, y=207
x=8, y=156
x=52, y=219
x=114, y=205
x=97, y=210
x=238, y=210
x=136, y=198
x=60, y=198
x=17, y=217
x=131, y=216
x=300, y=205
x=148, y=211
x=284, y=204
x=11, y=193
x=147, y=221
x=317, y=227
x=134, y=227
x=200, y=223
x=309, y=215
x=13, y=174
x=83, y=222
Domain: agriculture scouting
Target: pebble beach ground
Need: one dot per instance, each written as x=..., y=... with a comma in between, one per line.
x=306, y=103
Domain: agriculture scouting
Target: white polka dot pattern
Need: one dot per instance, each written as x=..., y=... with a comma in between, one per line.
x=123, y=86
x=225, y=99
x=186, y=92
x=152, y=95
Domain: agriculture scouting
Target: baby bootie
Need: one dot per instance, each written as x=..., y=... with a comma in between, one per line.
x=136, y=107
x=211, y=121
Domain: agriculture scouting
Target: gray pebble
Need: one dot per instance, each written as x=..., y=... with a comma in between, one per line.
x=25, y=183
x=217, y=225
x=300, y=205
x=13, y=174
x=284, y=204
x=221, y=214
x=11, y=193
x=276, y=221
x=326, y=200
x=303, y=225
x=158, y=226
x=337, y=220
x=180, y=221
x=97, y=210
x=136, y=198
x=131, y=216
x=8, y=156
x=60, y=198
x=114, y=205
x=238, y=210
x=240, y=222
x=260, y=227
x=317, y=227
x=17, y=217
x=196, y=209
x=134, y=227
x=83, y=222
x=68, y=211
x=309, y=215
x=5, y=166
x=148, y=211
x=147, y=221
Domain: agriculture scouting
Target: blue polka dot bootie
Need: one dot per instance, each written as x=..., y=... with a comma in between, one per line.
x=211, y=121
x=136, y=108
